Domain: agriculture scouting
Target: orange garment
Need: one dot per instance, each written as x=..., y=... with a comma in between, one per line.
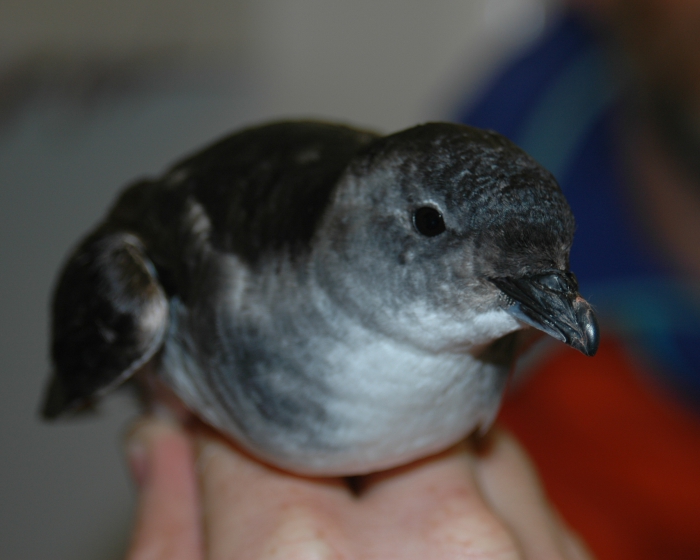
x=618, y=456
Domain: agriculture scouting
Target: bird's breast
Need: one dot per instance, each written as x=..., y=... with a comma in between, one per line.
x=326, y=401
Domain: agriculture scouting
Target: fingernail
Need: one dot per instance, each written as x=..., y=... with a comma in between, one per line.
x=137, y=459
x=143, y=444
x=139, y=441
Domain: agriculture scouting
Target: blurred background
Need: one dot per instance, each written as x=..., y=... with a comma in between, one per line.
x=94, y=94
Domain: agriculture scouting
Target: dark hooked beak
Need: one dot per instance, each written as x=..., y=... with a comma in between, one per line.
x=551, y=303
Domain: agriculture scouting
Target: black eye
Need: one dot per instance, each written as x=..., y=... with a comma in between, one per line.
x=429, y=221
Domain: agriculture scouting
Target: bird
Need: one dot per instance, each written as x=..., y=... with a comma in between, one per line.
x=334, y=300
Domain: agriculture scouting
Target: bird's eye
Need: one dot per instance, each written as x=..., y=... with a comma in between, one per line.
x=429, y=221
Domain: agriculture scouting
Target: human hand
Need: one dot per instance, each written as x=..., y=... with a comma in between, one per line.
x=201, y=498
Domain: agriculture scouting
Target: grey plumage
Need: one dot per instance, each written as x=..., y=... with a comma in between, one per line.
x=336, y=301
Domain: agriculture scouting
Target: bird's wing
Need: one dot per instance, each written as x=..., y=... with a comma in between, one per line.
x=109, y=317
x=266, y=188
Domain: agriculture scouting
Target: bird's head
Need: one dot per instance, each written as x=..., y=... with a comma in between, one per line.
x=450, y=236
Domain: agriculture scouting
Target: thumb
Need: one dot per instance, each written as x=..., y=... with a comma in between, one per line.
x=161, y=460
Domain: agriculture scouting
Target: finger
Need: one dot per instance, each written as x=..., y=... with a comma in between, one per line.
x=251, y=510
x=511, y=487
x=434, y=509
x=168, y=519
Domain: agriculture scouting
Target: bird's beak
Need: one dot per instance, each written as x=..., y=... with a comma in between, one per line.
x=551, y=303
